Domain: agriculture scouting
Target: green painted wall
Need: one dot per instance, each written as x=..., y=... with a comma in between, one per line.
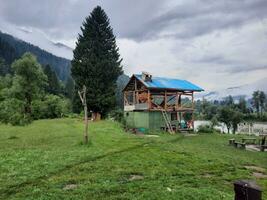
x=143, y=119
x=156, y=120
x=137, y=119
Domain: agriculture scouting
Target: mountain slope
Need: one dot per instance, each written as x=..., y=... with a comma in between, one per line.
x=12, y=48
x=38, y=38
x=237, y=91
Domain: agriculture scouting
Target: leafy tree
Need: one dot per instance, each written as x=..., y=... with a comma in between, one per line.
x=96, y=63
x=229, y=101
x=214, y=121
x=12, y=111
x=256, y=101
x=225, y=115
x=242, y=105
x=230, y=117
x=208, y=109
x=51, y=106
x=53, y=86
x=236, y=118
x=28, y=80
x=262, y=101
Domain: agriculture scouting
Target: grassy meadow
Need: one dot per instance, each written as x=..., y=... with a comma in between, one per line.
x=46, y=160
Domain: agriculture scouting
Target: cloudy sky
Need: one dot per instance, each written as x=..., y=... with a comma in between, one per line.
x=215, y=44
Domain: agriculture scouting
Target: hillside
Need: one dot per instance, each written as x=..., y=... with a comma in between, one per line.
x=12, y=48
x=236, y=91
x=45, y=160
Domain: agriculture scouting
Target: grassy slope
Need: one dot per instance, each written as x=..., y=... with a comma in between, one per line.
x=44, y=157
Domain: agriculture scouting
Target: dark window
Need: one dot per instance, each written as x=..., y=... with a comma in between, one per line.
x=173, y=116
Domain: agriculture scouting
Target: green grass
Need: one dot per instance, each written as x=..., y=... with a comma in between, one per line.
x=39, y=160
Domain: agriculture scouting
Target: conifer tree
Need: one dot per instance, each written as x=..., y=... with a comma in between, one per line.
x=53, y=86
x=96, y=63
x=69, y=88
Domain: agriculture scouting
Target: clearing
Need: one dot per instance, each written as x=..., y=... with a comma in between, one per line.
x=46, y=160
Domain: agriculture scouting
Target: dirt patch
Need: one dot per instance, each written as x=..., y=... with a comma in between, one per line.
x=255, y=168
x=259, y=175
x=151, y=135
x=70, y=187
x=252, y=148
x=135, y=177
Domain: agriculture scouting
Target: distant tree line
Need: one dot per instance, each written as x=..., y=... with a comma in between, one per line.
x=231, y=113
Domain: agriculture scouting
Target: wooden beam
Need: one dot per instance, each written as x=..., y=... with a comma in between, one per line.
x=165, y=101
x=193, y=102
x=179, y=100
x=148, y=99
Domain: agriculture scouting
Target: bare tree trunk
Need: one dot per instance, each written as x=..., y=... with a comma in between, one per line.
x=82, y=95
x=86, y=124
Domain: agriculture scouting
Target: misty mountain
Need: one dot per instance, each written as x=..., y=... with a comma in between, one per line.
x=36, y=37
x=236, y=92
x=60, y=45
x=12, y=48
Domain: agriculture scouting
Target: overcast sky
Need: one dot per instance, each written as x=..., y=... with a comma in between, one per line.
x=215, y=44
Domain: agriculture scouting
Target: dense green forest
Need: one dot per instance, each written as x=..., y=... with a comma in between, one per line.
x=12, y=48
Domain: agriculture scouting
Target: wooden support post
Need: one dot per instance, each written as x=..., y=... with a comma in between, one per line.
x=179, y=101
x=193, y=106
x=135, y=92
x=148, y=99
x=193, y=103
x=176, y=101
x=165, y=100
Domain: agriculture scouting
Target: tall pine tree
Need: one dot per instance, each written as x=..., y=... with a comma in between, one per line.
x=53, y=86
x=96, y=63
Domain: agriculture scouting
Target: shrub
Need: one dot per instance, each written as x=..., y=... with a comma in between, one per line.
x=205, y=129
x=11, y=111
x=51, y=106
x=117, y=115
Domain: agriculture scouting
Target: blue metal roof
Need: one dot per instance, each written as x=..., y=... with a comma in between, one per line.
x=168, y=83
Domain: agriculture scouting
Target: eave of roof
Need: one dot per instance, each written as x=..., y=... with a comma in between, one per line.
x=170, y=84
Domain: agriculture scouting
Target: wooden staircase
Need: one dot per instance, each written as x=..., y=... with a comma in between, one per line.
x=167, y=121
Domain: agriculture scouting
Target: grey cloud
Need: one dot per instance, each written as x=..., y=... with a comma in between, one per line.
x=228, y=65
x=246, y=68
x=216, y=59
x=63, y=18
x=138, y=20
x=202, y=17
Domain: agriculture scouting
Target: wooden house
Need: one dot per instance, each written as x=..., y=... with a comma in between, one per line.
x=159, y=103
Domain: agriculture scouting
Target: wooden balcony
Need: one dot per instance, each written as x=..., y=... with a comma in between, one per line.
x=157, y=100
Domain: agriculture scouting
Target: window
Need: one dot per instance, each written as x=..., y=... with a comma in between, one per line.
x=173, y=116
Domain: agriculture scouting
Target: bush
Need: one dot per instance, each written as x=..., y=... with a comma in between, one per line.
x=205, y=129
x=11, y=111
x=117, y=115
x=51, y=106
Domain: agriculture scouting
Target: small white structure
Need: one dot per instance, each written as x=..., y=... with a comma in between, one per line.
x=255, y=128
